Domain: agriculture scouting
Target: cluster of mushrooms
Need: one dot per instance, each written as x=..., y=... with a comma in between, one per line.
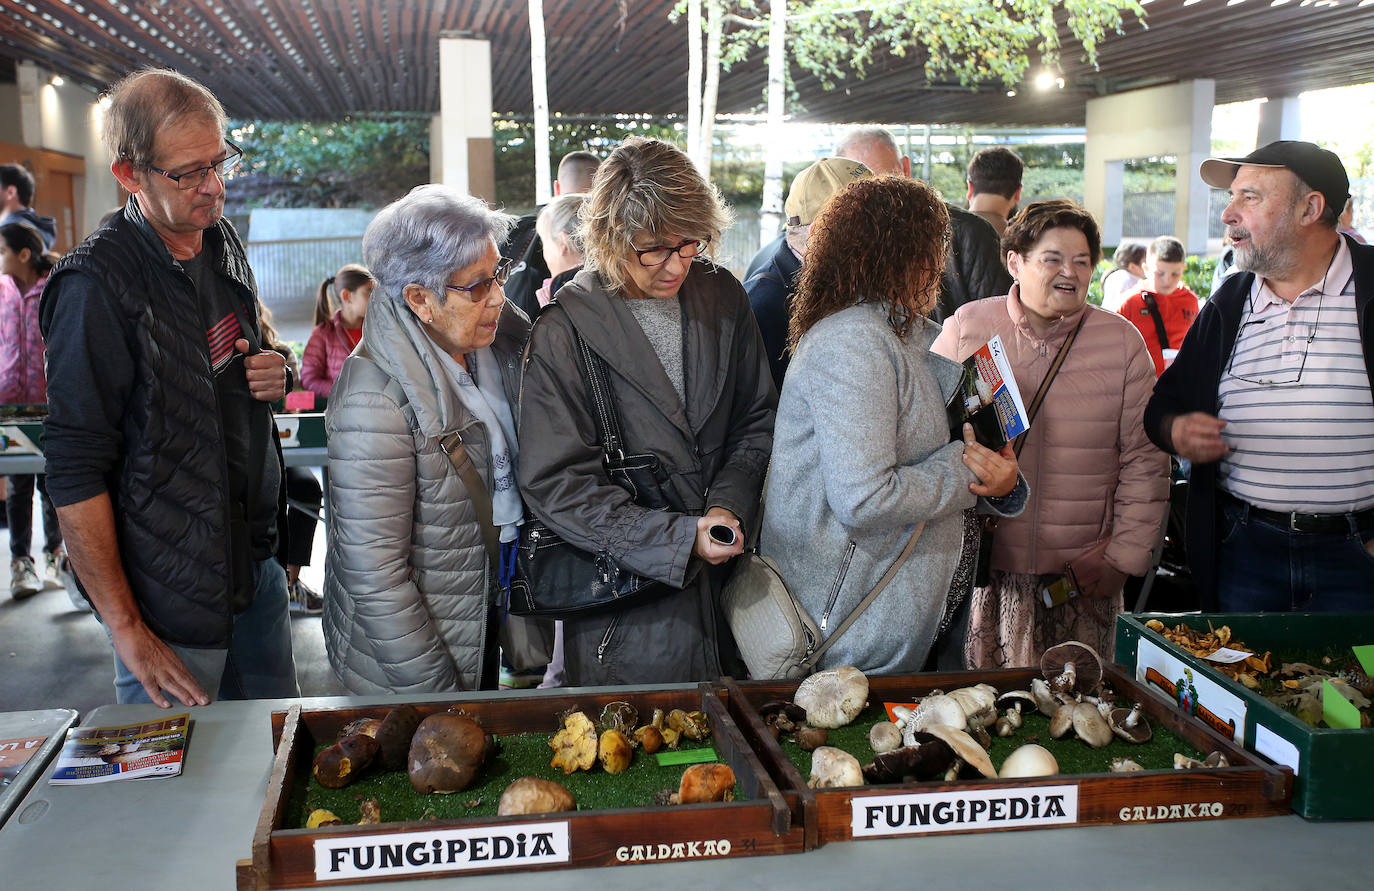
x=946, y=735
x=445, y=752
x=441, y=753
x=578, y=746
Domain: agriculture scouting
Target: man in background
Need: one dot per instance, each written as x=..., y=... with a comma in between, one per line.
x=975, y=268
x=16, y=195
x=994, y=185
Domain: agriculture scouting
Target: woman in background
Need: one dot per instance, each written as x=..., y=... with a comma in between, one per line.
x=557, y=226
x=1121, y=281
x=337, y=331
x=24, y=268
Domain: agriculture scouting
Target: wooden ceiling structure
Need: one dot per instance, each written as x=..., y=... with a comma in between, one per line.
x=324, y=59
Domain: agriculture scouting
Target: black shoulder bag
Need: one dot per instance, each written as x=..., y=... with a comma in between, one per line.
x=553, y=577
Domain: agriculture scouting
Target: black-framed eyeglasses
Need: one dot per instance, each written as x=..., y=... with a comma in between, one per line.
x=659, y=254
x=480, y=290
x=192, y=179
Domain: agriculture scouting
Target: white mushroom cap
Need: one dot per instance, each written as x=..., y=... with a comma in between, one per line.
x=1029, y=761
x=832, y=767
x=965, y=747
x=938, y=709
x=834, y=697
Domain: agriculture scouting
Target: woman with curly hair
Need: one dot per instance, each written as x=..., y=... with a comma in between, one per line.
x=861, y=449
x=690, y=382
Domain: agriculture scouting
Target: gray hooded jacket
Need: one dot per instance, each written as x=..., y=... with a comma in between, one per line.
x=407, y=586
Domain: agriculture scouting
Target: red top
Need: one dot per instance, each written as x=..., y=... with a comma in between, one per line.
x=1178, y=308
x=354, y=335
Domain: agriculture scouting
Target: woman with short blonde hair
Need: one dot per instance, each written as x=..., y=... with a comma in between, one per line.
x=688, y=376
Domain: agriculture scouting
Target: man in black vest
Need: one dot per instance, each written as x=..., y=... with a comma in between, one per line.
x=160, y=443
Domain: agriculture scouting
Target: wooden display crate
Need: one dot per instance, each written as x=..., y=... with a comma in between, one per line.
x=290, y=858
x=1248, y=788
x=1334, y=768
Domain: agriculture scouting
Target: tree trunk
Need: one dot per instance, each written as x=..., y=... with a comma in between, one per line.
x=715, y=16
x=694, y=82
x=770, y=216
x=543, y=180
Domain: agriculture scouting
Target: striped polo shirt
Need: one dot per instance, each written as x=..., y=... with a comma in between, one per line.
x=1296, y=399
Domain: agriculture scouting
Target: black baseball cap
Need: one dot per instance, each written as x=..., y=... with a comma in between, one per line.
x=1319, y=168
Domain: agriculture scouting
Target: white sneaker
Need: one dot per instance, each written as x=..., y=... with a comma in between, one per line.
x=24, y=582
x=59, y=568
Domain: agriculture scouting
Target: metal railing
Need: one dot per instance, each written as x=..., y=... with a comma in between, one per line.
x=290, y=271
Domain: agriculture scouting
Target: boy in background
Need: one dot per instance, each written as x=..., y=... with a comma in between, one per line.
x=1163, y=308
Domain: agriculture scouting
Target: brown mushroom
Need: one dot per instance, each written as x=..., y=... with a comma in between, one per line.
x=321, y=817
x=1072, y=666
x=370, y=811
x=808, y=738
x=394, y=736
x=361, y=727
x=1062, y=722
x=965, y=748
x=706, y=782
x=1089, y=725
x=650, y=738
x=692, y=725
x=930, y=758
x=446, y=752
x=534, y=795
x=344, y=762
x=619, y=715
x=574, y=747
x=614, y=751
x=1130, y=724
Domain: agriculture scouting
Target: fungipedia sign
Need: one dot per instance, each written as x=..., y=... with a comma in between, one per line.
x=441, y=850
x=919, y=814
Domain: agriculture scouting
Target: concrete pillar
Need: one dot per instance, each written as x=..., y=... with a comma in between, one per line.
x=463, y=135
x=1279, y=118
x=31, y=81
x=1170, y=120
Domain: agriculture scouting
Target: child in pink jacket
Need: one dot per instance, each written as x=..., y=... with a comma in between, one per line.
x=336, y=332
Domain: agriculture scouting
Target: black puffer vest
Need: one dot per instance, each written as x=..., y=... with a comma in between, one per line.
x=168, y=488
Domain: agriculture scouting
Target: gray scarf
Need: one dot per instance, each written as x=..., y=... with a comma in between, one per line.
x=486, y=399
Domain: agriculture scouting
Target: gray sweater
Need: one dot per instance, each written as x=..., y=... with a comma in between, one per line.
x=861, y=453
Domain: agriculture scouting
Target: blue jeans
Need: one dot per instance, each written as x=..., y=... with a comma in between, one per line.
x=1265, y=567
x=258, y=663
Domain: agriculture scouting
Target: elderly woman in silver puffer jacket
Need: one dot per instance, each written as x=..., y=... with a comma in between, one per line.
x=410, y=586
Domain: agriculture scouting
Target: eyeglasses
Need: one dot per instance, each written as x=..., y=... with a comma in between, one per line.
x=480, y=290
x=192, y=179
x=1280, y=377
x=659, y=254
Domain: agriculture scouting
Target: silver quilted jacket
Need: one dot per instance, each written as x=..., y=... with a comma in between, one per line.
x=407, y=584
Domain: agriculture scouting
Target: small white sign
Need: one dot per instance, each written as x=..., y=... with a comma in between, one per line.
x=440, y=850
x=289, y=428
x=1276, y=748
x=1192, y=692
x=14, y=442
x=983, y=808
x=1227, y=656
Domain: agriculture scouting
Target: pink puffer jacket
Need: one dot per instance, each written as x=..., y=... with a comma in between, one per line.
x=324, y=356
x=22, y=376
x=1095, y=479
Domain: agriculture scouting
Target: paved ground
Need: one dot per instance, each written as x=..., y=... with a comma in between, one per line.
x=52, y=656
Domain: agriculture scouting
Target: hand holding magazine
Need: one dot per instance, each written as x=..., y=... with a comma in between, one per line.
x=988, y=399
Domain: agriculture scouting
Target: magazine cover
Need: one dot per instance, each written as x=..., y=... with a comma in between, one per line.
x=988, y=399
x=14, y=754
x=137, y=751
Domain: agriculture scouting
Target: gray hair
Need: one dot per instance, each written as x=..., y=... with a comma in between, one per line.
x=561, y=215
x=866, y=135
x=426, y=236
x=149, y=101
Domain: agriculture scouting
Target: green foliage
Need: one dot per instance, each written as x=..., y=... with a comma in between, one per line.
x=356, y=162
x=970, y=42
x=514, y=145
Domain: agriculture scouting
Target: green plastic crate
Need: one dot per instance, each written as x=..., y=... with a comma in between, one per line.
x=1334, y=768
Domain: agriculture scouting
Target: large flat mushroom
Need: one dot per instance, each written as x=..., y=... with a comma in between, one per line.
x=1130, y=724
x=1072, y=667
x=965, y=747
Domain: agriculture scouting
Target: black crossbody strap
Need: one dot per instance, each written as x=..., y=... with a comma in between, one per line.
x=1049, y=379
x=603, y=403
x=1153, y=306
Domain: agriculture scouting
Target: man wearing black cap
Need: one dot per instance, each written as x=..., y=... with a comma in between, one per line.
x=1270, y=396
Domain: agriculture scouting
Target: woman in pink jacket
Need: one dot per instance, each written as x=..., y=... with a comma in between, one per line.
x=336, y=332
x=1098, y=486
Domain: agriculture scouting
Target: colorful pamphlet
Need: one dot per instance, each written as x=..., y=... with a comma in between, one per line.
x=988, y=399
x=136, y=751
